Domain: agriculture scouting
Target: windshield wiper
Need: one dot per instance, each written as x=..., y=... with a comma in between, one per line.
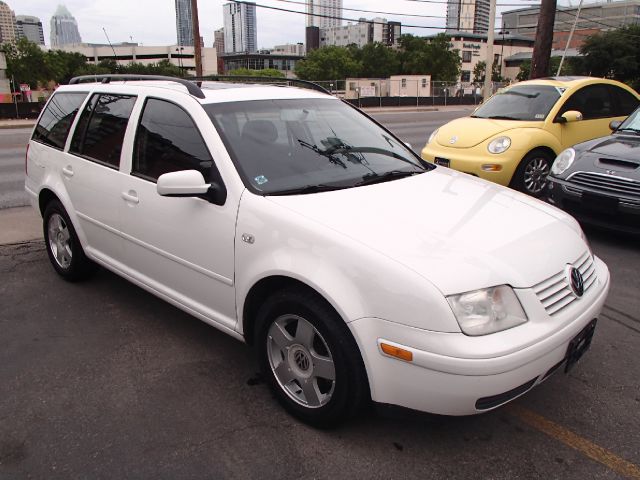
x=380, y=151
x=629, y=129
x=371, y=178
x=324, y=153
x=308, y=189
x=501, y=117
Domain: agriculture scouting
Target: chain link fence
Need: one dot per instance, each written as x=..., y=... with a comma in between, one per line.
x=372, y=92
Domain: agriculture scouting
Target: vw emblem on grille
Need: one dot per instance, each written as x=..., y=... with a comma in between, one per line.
x=302, y=360
x=576, y=282
x=453, y=140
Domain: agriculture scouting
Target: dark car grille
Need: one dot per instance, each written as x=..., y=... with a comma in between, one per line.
x=606, y=184
x=555, y=293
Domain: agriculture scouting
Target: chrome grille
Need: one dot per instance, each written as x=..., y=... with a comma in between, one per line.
x=606, y=183
x=555, y=293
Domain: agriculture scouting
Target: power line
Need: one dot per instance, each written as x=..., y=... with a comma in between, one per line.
x=371, y=11
x=356, y=20
x=470, y=3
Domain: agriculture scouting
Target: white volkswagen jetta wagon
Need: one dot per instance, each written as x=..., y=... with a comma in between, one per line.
x=293, y=222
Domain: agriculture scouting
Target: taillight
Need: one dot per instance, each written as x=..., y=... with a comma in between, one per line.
x=26, y=160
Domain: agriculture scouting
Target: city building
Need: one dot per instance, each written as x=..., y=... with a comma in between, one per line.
x=125, y=53
x=240, y=33
x=593, y=18
x=472, y=48
x=30, y=27
x=289, y=49
x=324, y=13
x=360, y=34
x=218, y=44
x=184, y=23
x=260, y=61
x=64, y=28
x=469, y=16
x=7, y=24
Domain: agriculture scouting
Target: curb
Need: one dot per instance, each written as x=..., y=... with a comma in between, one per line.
x=8, y=126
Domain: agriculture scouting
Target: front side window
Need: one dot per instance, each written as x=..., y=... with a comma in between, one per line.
x=593, y=101
x=55, y=122
x=101, y=128
x=167, y=140
x=307, y=145
x=522, y=102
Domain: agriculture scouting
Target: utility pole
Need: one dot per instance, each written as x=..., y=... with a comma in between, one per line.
x=488, y=69
x=544, y=39
x=566, y=47
x=196, y=37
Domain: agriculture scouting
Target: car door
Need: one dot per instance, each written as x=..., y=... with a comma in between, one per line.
x=598, y=108
x=183, y=247
x=91, y=172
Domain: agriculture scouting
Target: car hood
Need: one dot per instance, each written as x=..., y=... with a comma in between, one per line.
x=459, y=232
x=618, y=146
x=468, y=132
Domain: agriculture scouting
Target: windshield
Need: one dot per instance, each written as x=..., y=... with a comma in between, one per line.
x=523, y=102
x=632, y=122
x=308, y=145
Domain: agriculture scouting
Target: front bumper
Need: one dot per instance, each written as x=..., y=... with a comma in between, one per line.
x=470, y=160
x=612, y=211
x=464, y=381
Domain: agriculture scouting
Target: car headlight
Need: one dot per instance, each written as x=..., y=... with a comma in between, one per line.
x=499, y=145
x=488, y=310
x=433, y=136
x=563, y=161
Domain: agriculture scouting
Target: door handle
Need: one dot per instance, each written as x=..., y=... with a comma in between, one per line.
x=131, y=196
x=67, y=171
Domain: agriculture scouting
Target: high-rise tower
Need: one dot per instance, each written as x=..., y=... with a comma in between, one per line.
x=184, y=23
x=240, y=33
x=470, y=16
x=7, y=24
x=30, y=27
x=324, y=13
x=64, y=28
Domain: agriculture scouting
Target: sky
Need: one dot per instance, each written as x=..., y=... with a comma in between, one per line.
x=152, y=22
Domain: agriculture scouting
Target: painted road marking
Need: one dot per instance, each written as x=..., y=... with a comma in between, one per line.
x=584, y=446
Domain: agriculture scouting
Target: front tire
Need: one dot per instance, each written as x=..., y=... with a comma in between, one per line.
x=309, y=358
x=531, y=174
x=63, y=247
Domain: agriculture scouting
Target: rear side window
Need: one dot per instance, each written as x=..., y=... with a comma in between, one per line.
x=593, y=101
x=167, y=140
x=627, y=102
x=55, y=122
x=101, y=128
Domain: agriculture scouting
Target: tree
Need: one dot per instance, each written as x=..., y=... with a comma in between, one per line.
x=328, y=63
x=429, y=56
x=267, y=72
x=571, y=66
x=377, y=60
x=26, y=62
x=614, y=54
x=479, y=72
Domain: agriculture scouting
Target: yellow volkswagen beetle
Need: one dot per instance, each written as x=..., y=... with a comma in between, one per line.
x=513, y=138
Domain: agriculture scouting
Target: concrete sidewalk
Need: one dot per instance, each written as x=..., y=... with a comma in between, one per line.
x=19, y=123
x=19, y=224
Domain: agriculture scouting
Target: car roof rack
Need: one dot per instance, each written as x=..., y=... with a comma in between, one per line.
x=278, y=81
x=193, y=84
x=192, y=88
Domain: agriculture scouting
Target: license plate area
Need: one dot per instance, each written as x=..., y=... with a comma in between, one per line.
x=444, y=162
x=579, y=345
x=599, y=203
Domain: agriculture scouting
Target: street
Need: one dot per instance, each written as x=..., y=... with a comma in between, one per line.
x=103, y=380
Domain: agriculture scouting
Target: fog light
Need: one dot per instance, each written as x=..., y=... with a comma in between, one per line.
x=397, y=352
x=491, y=167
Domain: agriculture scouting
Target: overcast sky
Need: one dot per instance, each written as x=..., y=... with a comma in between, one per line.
x=152, y=22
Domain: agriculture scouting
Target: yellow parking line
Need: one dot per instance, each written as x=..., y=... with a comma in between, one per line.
x=590, y=449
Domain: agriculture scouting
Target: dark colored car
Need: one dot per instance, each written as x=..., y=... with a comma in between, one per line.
x=599, y=181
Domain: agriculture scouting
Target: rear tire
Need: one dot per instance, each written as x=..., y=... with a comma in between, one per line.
x=309, y=358
x=63, y=247
x=531, y=174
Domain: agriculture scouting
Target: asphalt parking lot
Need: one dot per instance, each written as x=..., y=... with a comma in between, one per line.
x=102, y=380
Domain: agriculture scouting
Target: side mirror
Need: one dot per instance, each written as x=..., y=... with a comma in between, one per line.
x=614, y=125
x=569, y=116
x=185, y=183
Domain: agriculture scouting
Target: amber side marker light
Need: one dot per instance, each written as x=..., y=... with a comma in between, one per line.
x=491, y=167
x=397, y=352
